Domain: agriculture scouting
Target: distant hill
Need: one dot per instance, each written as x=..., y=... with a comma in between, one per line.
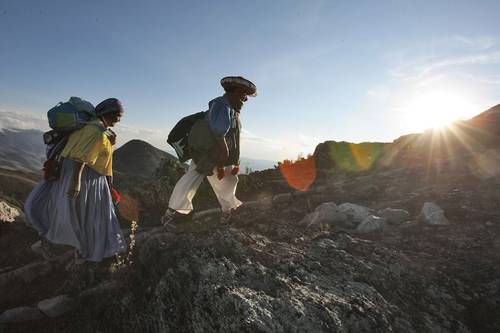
x=139, y=157
x=255, y=165
x=15, y=185
x=136, y=162
x=434, y=146
x=22, y=149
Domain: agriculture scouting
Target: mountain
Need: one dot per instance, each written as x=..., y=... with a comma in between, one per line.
x=462, y=140
x=139, y=158
x=251, y=164
x=136, y=163
x=22, y=149
x=291, y=261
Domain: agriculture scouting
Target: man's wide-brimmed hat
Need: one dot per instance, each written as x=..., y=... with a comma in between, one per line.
x=231, y=82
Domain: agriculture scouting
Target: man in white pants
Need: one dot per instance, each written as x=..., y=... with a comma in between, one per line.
x=214, y=144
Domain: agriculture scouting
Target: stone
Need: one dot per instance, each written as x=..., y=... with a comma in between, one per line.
x=266, y=202
x=326, y=213
x=432, y=214
x=204, y=213
x=332, y=283
x=56, y=306
x=370, y=224
x=355, y=213
x=394, y=216
x=22, y=313
x=26, y=273
x=8, y=213
x=251, y=204
x=282, y=198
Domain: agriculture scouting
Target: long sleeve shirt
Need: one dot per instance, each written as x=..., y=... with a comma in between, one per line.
x=220, y=115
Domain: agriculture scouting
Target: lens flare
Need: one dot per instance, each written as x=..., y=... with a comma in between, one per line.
x=299, y=174
x=355, y=156
x=129, y=208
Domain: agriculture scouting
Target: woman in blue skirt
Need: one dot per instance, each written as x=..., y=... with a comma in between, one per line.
x=77, y=209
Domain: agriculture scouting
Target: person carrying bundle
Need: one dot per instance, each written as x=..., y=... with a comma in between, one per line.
x=214, y=146
x=75, y=208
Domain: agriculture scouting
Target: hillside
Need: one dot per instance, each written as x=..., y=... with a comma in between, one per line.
x=451, y=146
x=21, y=149
x=355, y=251
x=138, y=157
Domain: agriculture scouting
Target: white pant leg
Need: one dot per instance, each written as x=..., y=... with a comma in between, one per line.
x=225, y=189
x=184, y=191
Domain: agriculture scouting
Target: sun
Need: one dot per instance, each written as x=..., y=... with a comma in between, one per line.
x=436, y=109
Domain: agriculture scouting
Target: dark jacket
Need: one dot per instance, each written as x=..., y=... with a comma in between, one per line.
x=203, y=147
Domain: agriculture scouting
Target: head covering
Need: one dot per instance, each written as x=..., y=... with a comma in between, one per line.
x=110, y=105
x=231, y=82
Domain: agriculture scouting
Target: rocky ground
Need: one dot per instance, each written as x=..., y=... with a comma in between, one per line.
x=279, y=268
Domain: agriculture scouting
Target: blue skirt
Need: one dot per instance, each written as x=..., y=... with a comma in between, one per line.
x=88, y=222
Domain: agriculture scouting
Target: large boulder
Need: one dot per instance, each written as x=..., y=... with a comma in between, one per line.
x=432, y=214
x=355, y=213
x=394, y=216
x=370, y=224
x=240, y=281
x=22, y=313
x=56, y=306
x=328, y=213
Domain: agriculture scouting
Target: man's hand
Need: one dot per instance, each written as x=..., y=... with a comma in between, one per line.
x=220, y=172
x=223, y=150
x=235, y=170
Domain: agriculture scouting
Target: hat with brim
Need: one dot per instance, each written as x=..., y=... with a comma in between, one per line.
x=231, y=82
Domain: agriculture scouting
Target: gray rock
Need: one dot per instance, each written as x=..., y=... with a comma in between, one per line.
x=56, y=306
x=103, y=288
x=26, y=273
x=8, y=213
x=432, y=214
x=282, y=198
x=370, y=224
x=266, y=202
x=394, y=216
x=249, y=283
x=205, y=213
x=34, y=270
x=355, y=213
x=326, y=213
x=22, y=313
x=251, y=204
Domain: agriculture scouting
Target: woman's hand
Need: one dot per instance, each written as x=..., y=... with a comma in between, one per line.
x=74, y=189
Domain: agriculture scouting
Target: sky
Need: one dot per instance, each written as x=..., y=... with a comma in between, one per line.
x=325, y=70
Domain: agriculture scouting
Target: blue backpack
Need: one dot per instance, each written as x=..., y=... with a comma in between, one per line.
x=64, y=119
x=71, y=115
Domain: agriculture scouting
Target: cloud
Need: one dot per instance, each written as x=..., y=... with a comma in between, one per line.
x=28, y=120
x=379, y=92
x=460, y=66
x=437, y=56
x=22, y=120
x=155, y=137
x=283, y=146
x=253, y=146
x=481, y=42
